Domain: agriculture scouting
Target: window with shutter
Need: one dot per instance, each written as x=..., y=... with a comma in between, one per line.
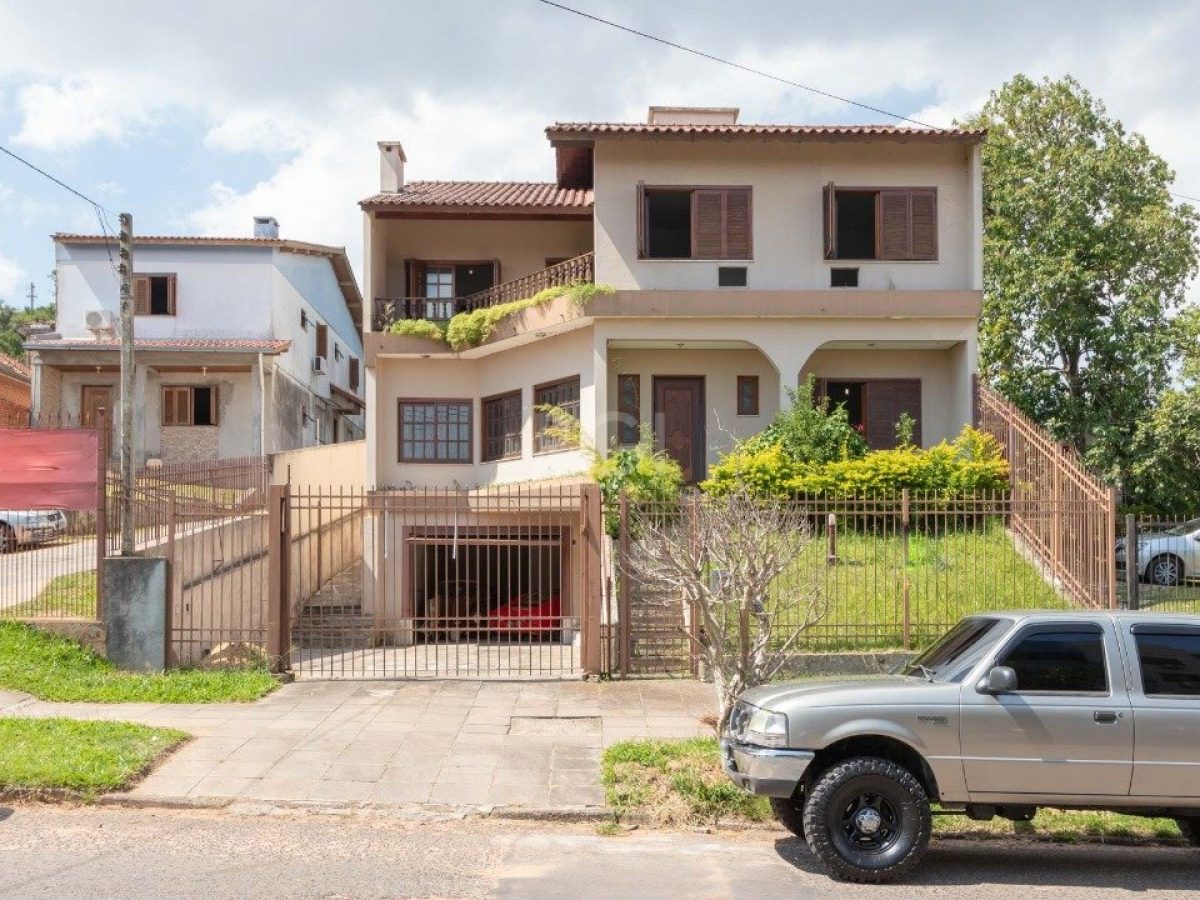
x=323, y=340
x=694, y=223
x=354, y=374
x=187, y=405
x=154, y=295
x=141, y=295
x=880, y=223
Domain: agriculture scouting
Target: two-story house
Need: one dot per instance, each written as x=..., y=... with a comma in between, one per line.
x=243, y=345
x=743, y=258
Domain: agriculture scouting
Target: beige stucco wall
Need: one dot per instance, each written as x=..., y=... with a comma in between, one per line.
x=521, y=246
x=720, y=370
x=521, y=368
x=332, y=465
x=786, y=178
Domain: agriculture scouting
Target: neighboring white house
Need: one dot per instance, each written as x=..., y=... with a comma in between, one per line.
x=244, y=346
x=744, y=258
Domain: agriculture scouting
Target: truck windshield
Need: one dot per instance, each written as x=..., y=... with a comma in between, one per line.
x=957, y=651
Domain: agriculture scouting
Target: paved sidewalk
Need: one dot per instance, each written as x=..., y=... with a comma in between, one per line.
x=439, y=742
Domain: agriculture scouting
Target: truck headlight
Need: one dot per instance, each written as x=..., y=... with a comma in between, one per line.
x=767, y=729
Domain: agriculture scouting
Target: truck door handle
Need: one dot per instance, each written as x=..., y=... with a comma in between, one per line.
x=1105, y=717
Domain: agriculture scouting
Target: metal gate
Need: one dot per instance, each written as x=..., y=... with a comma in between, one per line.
x=496, y=583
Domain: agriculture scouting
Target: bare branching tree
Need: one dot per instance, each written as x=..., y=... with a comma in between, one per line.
x=734, y=561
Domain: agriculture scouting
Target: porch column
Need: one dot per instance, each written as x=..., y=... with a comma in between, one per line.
x=258, y=409
x=963, y=366
x=789, y=349
x=599, y=417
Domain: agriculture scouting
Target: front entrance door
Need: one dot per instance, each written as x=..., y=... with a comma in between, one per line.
x=93, y=398
x=679, y=422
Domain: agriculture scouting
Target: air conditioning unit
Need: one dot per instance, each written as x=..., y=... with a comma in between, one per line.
x=100, y=321
x=320, y=366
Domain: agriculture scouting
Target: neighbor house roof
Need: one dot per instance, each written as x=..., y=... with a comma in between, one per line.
x=592, y=130
x=336, y=255
x=14, y=368
x=499, y=196
x=213, y=345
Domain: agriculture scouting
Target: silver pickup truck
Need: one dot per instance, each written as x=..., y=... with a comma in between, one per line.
x=1005, y=713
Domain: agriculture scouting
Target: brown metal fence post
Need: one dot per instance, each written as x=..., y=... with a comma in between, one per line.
x=904, y=528
x=1110, y=554
x=693, y=625
x=101, y=507
x=592, y=531
x=279, y=571
x=624, y=625
x=169, y=612
x=1132, y=568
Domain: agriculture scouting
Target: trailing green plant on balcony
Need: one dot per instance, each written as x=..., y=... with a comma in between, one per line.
x=471, y=329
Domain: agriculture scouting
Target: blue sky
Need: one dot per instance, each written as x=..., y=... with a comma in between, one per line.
x=222, y=111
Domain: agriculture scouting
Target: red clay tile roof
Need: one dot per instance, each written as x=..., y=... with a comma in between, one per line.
x=14, y=368
x=534, y=196
x=576, y=130
x=220, y=345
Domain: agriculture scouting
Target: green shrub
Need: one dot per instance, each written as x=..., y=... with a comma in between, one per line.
x=471, y=329
x=419, y=328
x=810, y=431
x=972, y=464
x=642, y=472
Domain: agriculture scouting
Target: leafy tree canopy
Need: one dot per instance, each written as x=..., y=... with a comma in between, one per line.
x=13, y=317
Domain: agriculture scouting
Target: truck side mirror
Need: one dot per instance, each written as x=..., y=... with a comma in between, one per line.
x=1000, y=680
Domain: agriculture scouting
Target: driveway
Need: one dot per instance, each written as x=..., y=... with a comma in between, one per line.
x=100, y=853
x=25, y=572
x=461, y=743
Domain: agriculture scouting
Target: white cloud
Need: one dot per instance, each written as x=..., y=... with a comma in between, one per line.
x=74, y=112
x=12, y=280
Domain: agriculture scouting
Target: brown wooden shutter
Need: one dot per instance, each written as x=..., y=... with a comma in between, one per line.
x=354, y=373
x=322, y=340
x=167, y=416
x=641, y=220
x=412, y=278
x=171, y=294
x=923, y=206
x=829, y=207
x=214, y=406
x=738, y=229
x=895, y=235
x=708, y=224
x=141, y=295
x=883, y=404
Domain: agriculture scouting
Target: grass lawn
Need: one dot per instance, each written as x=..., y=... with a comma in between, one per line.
x=949, y=574
x=85, y=757
x=677, y=783
x=54, y=668
x=65, y=597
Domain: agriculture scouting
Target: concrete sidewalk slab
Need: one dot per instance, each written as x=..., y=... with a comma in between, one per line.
x=467, y=743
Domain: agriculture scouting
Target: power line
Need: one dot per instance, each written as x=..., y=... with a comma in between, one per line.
x=736, y=65
x=778, y=78
x=59, y=182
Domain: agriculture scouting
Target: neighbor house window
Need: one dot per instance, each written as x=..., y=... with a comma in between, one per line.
x=323, y=340
x=502, y=427
x=561, y=394
x=747, y=395
x=154, y=295
x=435, y=431
x=629, y=408
x=694, y=223
x=354, y=373
x=189, y=405
x=880, y=223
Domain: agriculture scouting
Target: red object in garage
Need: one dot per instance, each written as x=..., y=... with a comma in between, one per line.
x=537, y=611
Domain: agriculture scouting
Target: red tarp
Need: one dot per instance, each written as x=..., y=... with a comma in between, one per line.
x=48, y=468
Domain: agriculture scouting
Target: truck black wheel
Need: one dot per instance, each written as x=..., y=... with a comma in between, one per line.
x=1190, y=829
x=790, y=814
x=867, y=819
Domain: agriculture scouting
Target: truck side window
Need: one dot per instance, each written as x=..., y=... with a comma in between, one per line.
x=1170, y=664
x=1068, y=661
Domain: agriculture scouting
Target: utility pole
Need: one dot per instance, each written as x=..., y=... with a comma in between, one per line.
x=32, y=295
x=126, y=270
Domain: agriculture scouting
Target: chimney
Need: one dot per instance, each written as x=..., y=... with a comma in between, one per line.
x=266, y=227
x=692, y=115
x=391, y=166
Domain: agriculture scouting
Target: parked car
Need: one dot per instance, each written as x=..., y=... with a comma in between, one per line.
x=1166, y=557
x=20, y=527
x=1006, y=713
x=529, y=615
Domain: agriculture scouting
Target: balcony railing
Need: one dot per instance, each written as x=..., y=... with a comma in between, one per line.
x=579, y=269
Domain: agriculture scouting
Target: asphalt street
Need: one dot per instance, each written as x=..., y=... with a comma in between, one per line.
x=59, y=852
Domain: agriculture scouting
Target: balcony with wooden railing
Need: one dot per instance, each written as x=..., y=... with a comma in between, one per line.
x=578, y=270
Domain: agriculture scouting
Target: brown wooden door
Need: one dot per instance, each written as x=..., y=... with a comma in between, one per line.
x=93, y=398
x=679, y=422
x=883, y=403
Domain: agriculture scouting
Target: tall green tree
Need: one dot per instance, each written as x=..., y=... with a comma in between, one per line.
x=13, y=317
x=1086, y=262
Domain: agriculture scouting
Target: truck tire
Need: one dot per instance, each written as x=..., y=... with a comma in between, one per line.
x=867, y=819
x=1190, y=829
x=790, y=814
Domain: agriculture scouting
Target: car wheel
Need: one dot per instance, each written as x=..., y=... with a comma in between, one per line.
x=790, y=814
x=1166, y=570
x=1190, y=829
x=8, y=539
x=867, y=820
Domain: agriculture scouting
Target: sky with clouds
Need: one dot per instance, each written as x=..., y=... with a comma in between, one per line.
x=197, y=117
